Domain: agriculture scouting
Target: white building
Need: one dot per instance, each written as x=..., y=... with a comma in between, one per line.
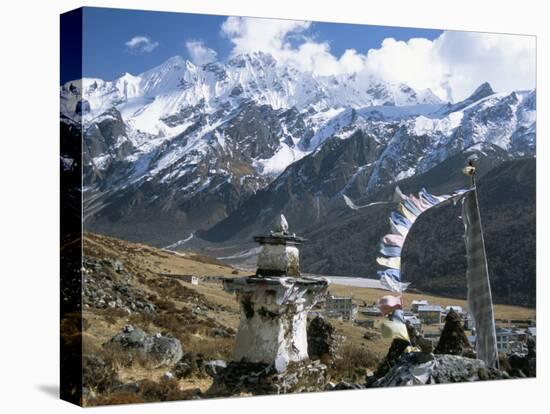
x=194, y=280
x=371, y=311
x=507, y=339
x=430, y=314
x=456, y=308
x=415, y=304
x=340, y=307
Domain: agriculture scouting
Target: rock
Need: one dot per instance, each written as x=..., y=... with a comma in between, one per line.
x=130, y=387
x=523, y=366
x=419, y=368
x=260, y=378
x=320, y=338
x=82, y=107
x=397, y=348
x=417, y=340
x=220, y=332
x=213, y=367
x=344, y=385
x=105, y=284
x=371, y=335
x=166, y=350
x=158, y=350
x=453, y=339
x=183, y=369
x=330, y=386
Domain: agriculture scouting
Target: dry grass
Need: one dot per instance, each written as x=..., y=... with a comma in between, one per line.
x=211, y=348
x=353, y=362
x=152, y=260
x=504, y=312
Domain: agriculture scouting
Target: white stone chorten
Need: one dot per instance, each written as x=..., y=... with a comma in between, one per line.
x=274, y=303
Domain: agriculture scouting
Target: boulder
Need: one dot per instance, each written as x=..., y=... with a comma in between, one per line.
x=165, y=350
x=259, y=378
x=417, y=368
x=320, y=338
x=157, y=350
x=344, y=385
x=417, y=340
x=397, y=348
x=523, y=365
x=453, y=339
x=214, y=367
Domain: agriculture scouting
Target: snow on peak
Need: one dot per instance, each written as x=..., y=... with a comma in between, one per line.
x=178, y=83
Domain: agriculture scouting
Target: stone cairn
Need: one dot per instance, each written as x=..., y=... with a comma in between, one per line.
x=272, y=334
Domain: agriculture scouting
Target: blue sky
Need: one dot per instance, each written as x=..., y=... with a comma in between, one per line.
x=107, y=30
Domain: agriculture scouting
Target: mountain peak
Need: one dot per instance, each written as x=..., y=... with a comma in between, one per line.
x=482, y=91
x=174, y=62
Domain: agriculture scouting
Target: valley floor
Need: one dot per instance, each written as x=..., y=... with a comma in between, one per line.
x=138, y=285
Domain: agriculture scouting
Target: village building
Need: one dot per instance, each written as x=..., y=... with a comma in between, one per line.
x=340, y=307
x=472, y=340
x=510, y=340
x=430, y=314
x=214, y=279
x=456, y=308
x=371, y=311
x=194, y=280
x=468, y=322
x=417, y=303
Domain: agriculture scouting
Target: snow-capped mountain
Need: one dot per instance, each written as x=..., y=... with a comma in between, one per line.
x=181, y=147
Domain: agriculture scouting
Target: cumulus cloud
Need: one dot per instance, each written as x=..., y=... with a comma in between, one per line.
x=276, y=37
x=452, y=65
x=508, y=62
x=141, y=44
x=199, y=53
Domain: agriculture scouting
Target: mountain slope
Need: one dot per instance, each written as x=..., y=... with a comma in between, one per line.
x=207, y=156
x=434, y=256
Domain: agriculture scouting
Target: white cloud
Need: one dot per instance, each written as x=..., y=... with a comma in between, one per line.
x=141, y=44
x=275, y=37
x=452, y=65
x=267, y=35
x=507, y=62
x=199, y=53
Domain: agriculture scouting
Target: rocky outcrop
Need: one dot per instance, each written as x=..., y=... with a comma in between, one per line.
x=107, y=284
x=320, y=338
x=260, y=379
x=418, y=368
x=393, y=356
x=453, y=339
x=522, y=366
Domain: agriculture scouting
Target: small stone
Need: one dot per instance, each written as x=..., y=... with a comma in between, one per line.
x=213, y=367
